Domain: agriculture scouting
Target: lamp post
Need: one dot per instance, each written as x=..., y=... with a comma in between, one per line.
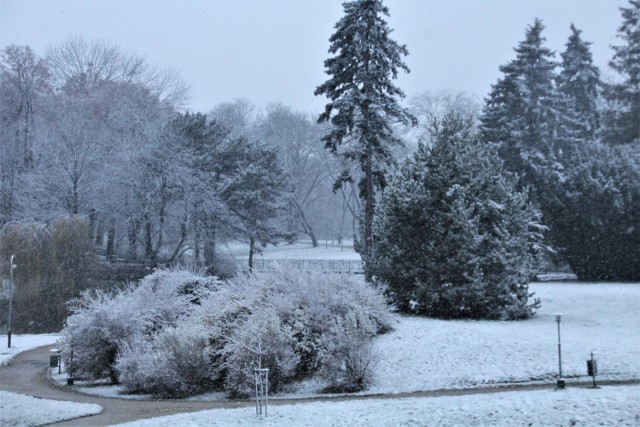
x=560, y=382
x=11, y=267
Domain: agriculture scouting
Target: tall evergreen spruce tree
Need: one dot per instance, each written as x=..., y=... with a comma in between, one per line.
x=523, y=113
x=363, y=100
x=454, y=237
x=622, y=119
x=578, y=83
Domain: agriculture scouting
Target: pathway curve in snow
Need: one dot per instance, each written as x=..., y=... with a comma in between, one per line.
x=27, y=374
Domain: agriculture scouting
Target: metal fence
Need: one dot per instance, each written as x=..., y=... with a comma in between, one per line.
x=310, y=265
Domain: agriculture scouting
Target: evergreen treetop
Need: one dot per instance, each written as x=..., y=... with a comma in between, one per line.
x=623, y=118
x=578, y=82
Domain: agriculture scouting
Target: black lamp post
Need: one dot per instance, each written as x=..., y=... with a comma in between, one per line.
x=11, y=267
x=560, y=382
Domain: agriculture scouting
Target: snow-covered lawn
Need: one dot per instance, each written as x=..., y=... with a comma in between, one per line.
x=20, y=410
x=580, y=407
x=20, y=343
x=427, y=354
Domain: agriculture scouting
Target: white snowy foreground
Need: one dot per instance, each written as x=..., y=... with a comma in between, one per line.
x=20, y=410
x=570, y=407
x=427, y=354
x=20, y=343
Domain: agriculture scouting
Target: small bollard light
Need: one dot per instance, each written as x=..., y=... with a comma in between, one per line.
x=560, y=383
x=592, y=369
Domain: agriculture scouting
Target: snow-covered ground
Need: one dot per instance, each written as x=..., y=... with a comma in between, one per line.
x=20, y=410
x=20, y=343
x=428, y=354
x=570, y=407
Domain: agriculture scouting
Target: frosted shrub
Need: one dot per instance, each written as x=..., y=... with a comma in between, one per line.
x=177, y=334
x=94, y=332
x=348, y=358
x=102, y=322
x=260, y=342
x=294, y=324
x=173, y=364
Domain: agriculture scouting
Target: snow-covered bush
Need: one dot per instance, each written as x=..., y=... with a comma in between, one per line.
x=293, y=323
x=263, y=341
x=347, y=357
x=177, y=334
x=174, y=363
x=101, y=323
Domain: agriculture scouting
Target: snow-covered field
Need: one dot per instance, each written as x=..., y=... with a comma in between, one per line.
x=20, y=410
x=427, y=354
x=607, y=406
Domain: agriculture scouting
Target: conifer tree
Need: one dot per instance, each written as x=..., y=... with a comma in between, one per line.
x=622, y=118
x=454, y=237
x=578, y=83
x=363, y=99
x=522, y=114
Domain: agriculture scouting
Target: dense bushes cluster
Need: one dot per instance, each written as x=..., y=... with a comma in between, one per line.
x=171, y=339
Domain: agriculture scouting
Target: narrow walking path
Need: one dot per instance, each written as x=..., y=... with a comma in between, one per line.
x=27, y=374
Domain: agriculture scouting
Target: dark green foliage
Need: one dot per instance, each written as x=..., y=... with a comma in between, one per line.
x=596, y=221
x=454, y=238
x=238, y=187
x=578, y=83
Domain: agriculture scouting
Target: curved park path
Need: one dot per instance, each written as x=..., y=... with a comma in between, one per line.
x=27, y=373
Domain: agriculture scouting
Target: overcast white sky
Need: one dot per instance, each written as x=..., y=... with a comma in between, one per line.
x=273, y=50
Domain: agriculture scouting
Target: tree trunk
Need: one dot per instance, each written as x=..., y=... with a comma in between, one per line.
x=369, y=206
x=252, y=245
x=305, y=223
x=134, y=227
x=148, y=241
x=111, y=240
x=210, y=242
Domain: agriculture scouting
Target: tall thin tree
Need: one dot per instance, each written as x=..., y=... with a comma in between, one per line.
x=364, y=100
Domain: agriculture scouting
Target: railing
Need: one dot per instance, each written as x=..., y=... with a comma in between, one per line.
x=310, y=265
